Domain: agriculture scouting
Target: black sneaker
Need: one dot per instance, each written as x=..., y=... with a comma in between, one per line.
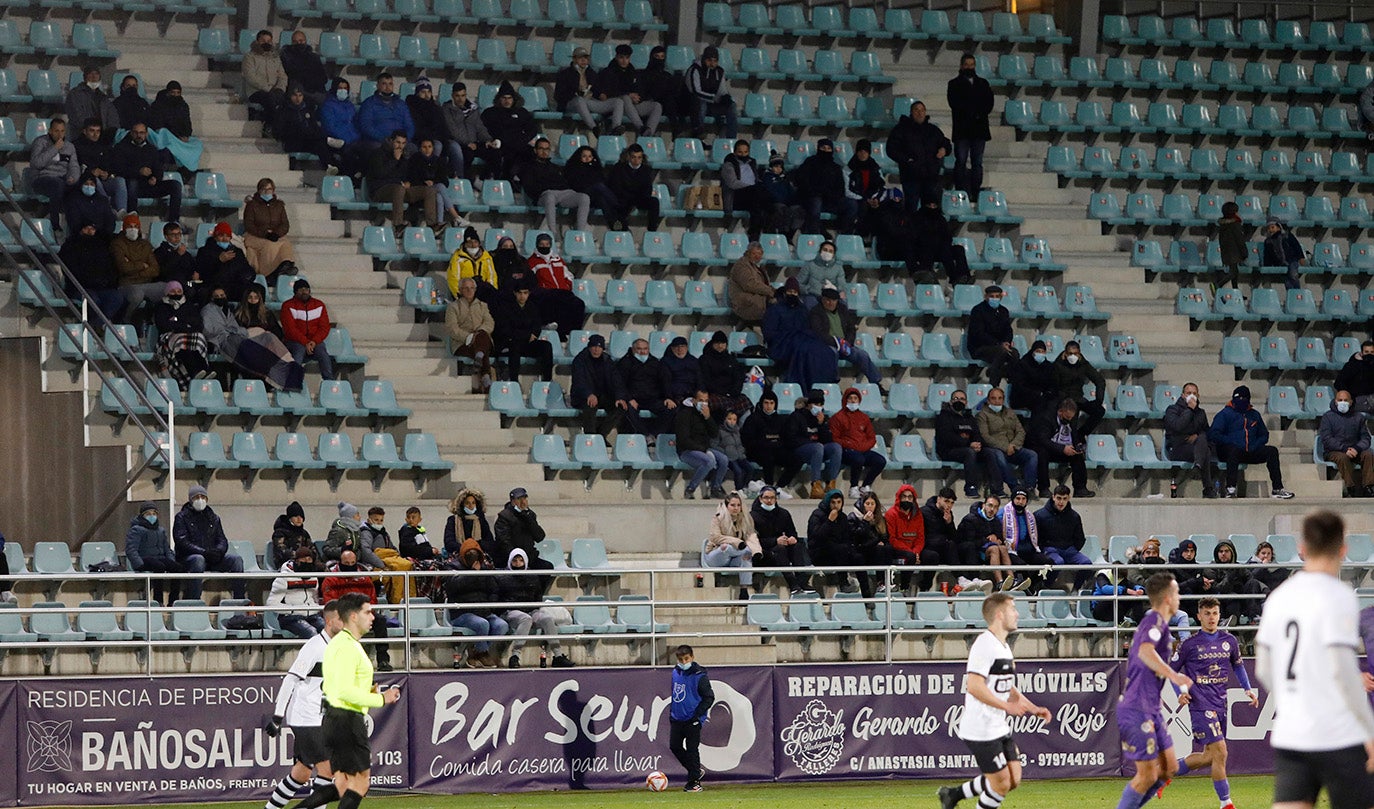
x=384, y=667
x=950, y=797
x=692, y=787
x=562, y=662
x=514, y=662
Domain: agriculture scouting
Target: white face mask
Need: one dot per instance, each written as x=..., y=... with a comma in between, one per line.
x=1343, y=407
x=851, y=406
x=94, y=85
x=469, y=510
x=1072, y=359
x=199, y=504
x=827, y=255
x=131, y=234
x=377, y=525
x=1192, y=397
x=768, y=506
x=473, y=251
x=341, y=94
x=995, y=408
x=816, y=410
x=1041, y=357
x=701, y=407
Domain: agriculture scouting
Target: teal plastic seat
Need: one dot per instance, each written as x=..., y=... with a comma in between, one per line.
x=422, y=451
x=336, y=450
x=293, y=450
x=191, y=618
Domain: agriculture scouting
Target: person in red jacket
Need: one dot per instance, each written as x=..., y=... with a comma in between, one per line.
x=853, y=430
x=906, y=533
x=333, y=587
x=305, y=324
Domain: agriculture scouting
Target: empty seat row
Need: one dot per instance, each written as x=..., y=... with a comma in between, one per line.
x=1194, y=119
x=205, y=451
x=1220, y=32
x=46, y=38
x=1223, y=75
x=1297, y=306
x=1275, y=354
x=603, y=15
x=1188, y=210
x=1170, y=163
x=862, y=22
x=1188, y=256
x=205, y=398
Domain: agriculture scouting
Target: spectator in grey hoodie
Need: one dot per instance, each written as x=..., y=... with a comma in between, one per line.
x=1344, y=438
x=471, y=140
x=53, y=168
x=728, y=441
x=822, y=270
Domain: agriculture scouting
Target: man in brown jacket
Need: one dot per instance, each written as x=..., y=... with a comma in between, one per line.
x=136, y=265
x=1002, y=432
x=749, y=290
x=470, y=325
x=264, y=78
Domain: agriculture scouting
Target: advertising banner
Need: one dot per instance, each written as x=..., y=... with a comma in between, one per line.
x=1247, y=728
x=9, y=753
x=578, y=729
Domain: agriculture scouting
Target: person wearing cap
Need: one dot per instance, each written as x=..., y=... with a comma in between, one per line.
x=631, y=180
x=658, y=83
x=88, y=101
x=710, y=95
x=53, y=169
x=684, y=370
x=469, y=139
x=221, y=263
x=86, y=205
x=304, y=67
x=388, y=173
x=426, y=115
x=748, y=288
x=576, y=92
x=805, y=358
x=919, y=148
x=957, y=440
x=989, y=334
x=1057, y=436
x=142, y=165
x=518, y=326
x=1282, y=249
x=265, y=226
x=1240, y=437
x=646, y=383
x=597, y=386
x=695, y=428
x=741, y=189
x=264, y=78
x=86, y=252
x=785, y=216
x=137, y=267
x=517, y=527
x=821, y=187
x=853, y=431
x=148, y=551
x=837, y=325
x=547, y=185
x=384, y=113
x=170, y=111
x=722, y=376
x=620, y=80
x=97, y=157
x=202, y=546
x=470, y=326
x=970, y=103
x=814, y=446
x=820, y=272
x=513, y=127
x=182, y=352
x=305, y=325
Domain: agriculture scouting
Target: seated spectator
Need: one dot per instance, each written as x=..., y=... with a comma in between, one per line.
x=176, y=261
x=906, y=536
x=335, y=586
x=201, y=544
x=299, y=126
x=989, y=334
x=1021, y=531
x=253, y=313
x=1193, y=580
x=818, y=273
x=414, y=541
x=1004, y=436
x=470, y=327
x=831, y=542
x=941, y=533
x=53, y=169
x=261, y=354
x=729, y=443
x=778, y=538
x=524, y=596
x=468, y=520
x=1234, y=581
x=1264, y=571
x=130, y=104
x=427, y=117
x=765, y=444
x=142, y=166
x=957, y=440
x=339, y=120
x=510, y=265
x=710, y=95
x=170, y=111
x=885, y=219
x=919, y=148
x=383, y=114
x=695, y=430
x=293, y=593
x=388, y=174
x=1031, y=382
x=517, y=526
x=96, y=155
x=865, y=175
x=547, y=185
x=472, y=260
x=467, y=595
x=584, y=175
x=88, y=101
x=722, y=376
x=1357, y=377
x=429, y=170
x=620, y=80
x=1072, y=372
x=1240, y=437
x=556, y=300
x=731, y=541
x=646, y=390
x=821, y=188
x=838, y=326
x=1282, y=249
x=518, y=325
x=748, y=289
x=853, y=430
x=264, y=78
x=596, y=386
x=137, y=268
x=869, y=535
x=1106, y=608
x=148, y=551
x=1344, y=436
x=305, y=324
x=265, y=226
x=288, y=534
x=345, y=534
x=784, y=215
x=932, y=240
x=512, y=129
x=814, y=446
x=182, y=352
x=305, y=68
x=684, y=374
x=631, y=182
x=658, y=83
x=741, y=189
x=87, y=254
x=1057, y=437
x=805, y=357
x=1185, y=437
x=1147, y=553
x=981, y=528
x=1365, y=107
x=86, y=206
x=575, y=92
x=469, y=139
x=1061, y=535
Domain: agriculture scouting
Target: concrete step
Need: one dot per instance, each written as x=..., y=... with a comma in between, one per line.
x=1164, y=331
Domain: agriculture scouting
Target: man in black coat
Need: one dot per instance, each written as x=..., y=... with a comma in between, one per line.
x=1056, y=436
x=1031, y=381
x=919, y=148
x=142, y=164
x=684, y=371
x=511, y=125
x=1071, y=372
x=631, y=180
x=989, y=334
x=87, y=254
x=1062, y=538
x=1356, y=376
x=1185, y=437
x=517, y=526
x=765, y=443
x=304, y=67
x=722, y=376
x=970, y=103
x=957, y=440
x=96, y=155
x=620, y=79
x=821, y=187
x=596, y=385
x=646, y=384
x=518, y=324
x=942, y=535
x=658, y=83
x=778, y=537
x=200, y=543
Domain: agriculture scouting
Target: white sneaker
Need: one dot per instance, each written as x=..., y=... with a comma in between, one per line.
x=8, y=597
x=979, y=584
x=755, y=485
x=965, y=582
x=785, y=494
x=1281, y=494
x=334, y=143
x=461, y=221
x=855, y=492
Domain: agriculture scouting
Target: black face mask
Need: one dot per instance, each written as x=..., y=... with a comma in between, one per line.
x=1019, y=509
x=220, y=302
x=308, y=567
x=908, y=505
x=969, y=73
x=957, y=407
x=348, y=568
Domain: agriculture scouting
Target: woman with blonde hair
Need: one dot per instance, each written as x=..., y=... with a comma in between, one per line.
x=265, y=225
x=733, y=542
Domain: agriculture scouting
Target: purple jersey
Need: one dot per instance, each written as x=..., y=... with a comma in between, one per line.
x=1142, y=688
x=1367, y=634
x=1209, y=661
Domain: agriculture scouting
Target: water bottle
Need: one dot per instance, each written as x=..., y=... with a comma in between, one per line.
x=1173, y=487
x=701, y=580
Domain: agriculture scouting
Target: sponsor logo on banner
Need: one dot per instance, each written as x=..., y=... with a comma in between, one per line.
x=50, y=746
x=815, y=739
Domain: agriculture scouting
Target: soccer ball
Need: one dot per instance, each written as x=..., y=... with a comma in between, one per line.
x=656, y=781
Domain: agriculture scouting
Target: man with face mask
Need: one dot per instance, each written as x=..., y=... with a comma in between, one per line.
x=970, y=103
x=305, y=325
x=695, y=430
x=148, y=551
x=177, y=261
x=201, y=544
x=683, y=370
x=512, y=128
x=88, y=206
x=989, y=334
x=1057, y=437
x=805, y=357
x=130, y=103
x=1240, y=437
x=646, y=390
x=304, y=66
x=1344, y=437
x=517, y=526
x=142, y=166
x=339, y=121
x=821, y=188
x=658, y=83
x=1185, y=437
x=264, y=78
x=741, y=188
x=294, y=592
x=919, y=147
x=137, y=268
x=1071, y=372
x=88, y=100
x=1357, y=377
x=765, y=444
x=631, y=181
x=1002, y=430
x=957, y=440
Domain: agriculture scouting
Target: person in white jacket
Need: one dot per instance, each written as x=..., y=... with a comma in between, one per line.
x=297, y=588
x=300, y=707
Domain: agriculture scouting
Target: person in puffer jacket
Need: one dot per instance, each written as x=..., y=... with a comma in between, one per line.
x=729, y=443
x=1345, y=442
x=1023, y=538
x=853, y=430
x=1240, y=437
x=148, y=551
x=297, y=588
x=1102, y=606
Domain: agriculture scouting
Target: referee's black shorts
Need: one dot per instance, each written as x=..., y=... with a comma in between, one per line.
x=345, y=736
x=1299, y=777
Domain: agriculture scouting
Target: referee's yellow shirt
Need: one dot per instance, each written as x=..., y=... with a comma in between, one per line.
x=348, y=675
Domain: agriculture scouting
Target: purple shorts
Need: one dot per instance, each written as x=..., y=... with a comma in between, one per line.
x=1143, y=736
x=1209, y=725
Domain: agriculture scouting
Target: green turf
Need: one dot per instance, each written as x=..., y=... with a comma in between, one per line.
x=1192, y=792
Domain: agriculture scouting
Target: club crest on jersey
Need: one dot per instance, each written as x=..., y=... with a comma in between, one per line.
x=1148, y=726
x=1226, y=646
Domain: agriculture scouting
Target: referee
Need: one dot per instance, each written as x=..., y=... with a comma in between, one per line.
x=348, y=693
x=300, y=706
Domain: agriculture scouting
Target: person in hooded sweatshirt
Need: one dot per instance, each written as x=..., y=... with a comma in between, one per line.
x=86, y=206
x=942, y=536
x=182, y=351
x=427, y=116
x=831, y=542
x=919, y=147
x=785, y=215
x=1235, y=581
x=130, y=104
x=299, y=127
x=295, y=592
x=87, y=254
x=658, y=83
x=512, y=127
x=554, y=296
x=1240, y=437
x=524, y=593
x=631, y=180
x=778, y=537
x=148, y=551
x=1031, y=381
x=765, y=444
x=288, y=533
x=853, y=430
x=819, y=272
x=510, y=265
x=1105, y=608
x=344, y=534
x=1061, y=535
x=585, y=175
x=1022, y=533
x=170, y=111
x=384, y=113
x=596, y=385
x=201, y=545
x=821, y=187
x=1344, y=436
x=469, y=139
x=518, y=326
x=471, y=260
x=792, y=345
x=981, y=528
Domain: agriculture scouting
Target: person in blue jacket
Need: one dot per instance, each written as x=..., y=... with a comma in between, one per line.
x=692, y=699
x=339, y=120
x=1240, y=437
x=384, y=113
x=1105, y=585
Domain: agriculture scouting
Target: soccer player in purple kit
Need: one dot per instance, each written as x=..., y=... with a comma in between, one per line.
x=1367, y=635
x=1209, y=657
x=1144, y=738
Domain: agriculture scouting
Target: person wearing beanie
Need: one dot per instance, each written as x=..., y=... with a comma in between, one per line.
x=143, y=166
x=710, y=95
x=765, y=444
x=658, y=83
x=148, y=551
x=865, y=175
x=265, y=229
x=182, y=352
x=87, y=253
x=170, y=111
x=722, y=376
x=620, y=80
x=1031, y=381
x=597, y=386
x=200, y=544
x=388, y=173
x=137, y=268
x=1240, y=437
x=299, y=127
x=426, y=115
x=1282, y=249
x=512, y=127
x=576, y=91
x=305, y=326
x=812, y=444
x=970, y=102
x=785, y=215
x=919, y=148
x=345, y=533
x=821, y=187
x=288, y=533
x=223, y=264
x=471, y=260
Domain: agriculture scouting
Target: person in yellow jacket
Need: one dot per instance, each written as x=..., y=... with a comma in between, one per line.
x=471, y=260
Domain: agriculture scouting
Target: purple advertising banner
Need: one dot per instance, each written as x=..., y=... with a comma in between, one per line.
x=9, y=756
x=577, y=728
x=901, y=721
x=102, y=741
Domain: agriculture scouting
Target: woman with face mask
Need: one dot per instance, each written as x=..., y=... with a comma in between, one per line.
x=470, y=260
x=148, y=551
x=822, y=270
x=466, y=593
x=262, y=355
x=87, y=206
x=468, y=520
x=265, y=227
x=731, y=541
x=182, y=352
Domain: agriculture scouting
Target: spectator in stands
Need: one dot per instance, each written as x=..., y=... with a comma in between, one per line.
x=1281, y=249
x=853, y=430
x=468, y=521
x=1344, y=437
x=1057, y=436
x=885, y=219
x=741, y=189
x=748, y=288
x=837, y=326
x=345, y=534
x=919, y=148
x=87, y=254
x=831, y=543
x=265, y=226
x=1357, y=378
x=429, y=170
x=585, y=175
x=181, y=351
x=89, y=101
x=470, y=327
x=137, y=268
x=1235, y=581
x=415, y=543
x=658, y=83
x=631, y=182
x=1110, y=609
x=596, y=385
x=1240, y=437
x=865, y=175
x=254, y=314
x=130, y=104
x=784, y=215
x=731, y=541
x=1031, y=382
x=471, y=260
x=765, y=444
x=619, y=80
x=576, y=91
x=288, y=534
x=296, y=588
x=383, y=114
x=1004, y=435
x=305, y=324
x=299, y=127
x=170, y=111
x=510, y=265
x=957, y=440
x=1364, y=104
x=813, y=445
x=970, y=103
x=868, y=532
x=263, y=75
x=260, y=354
x=820, y=272
x=730, y=444
x=710, y=95
x=646, y=384
x=684, y=373
x=778, y=538
x=177, y=262
x=469, y=139
x=518, y=324
x=1071, y=372
x=548, y=185
x=941, y=534
x=53, y=169
x=523, y=596
x=517, y=526
x=389, y=175
x=304, y=67
x=1061, y=535
x=201, y=544
x=556, y=300
x=1021, y=531
x=86, y=206
x=339, y=120
x=1192, y=578
x=1235, y=249
x=981, y=528
x=695, y=431
x=148, y=551
x=1263, y=571
x=1185, y=437
x=512, y=129
x=989, y=334
x=467, y=594
x=142, y=166
x=933, y=241
x=906, y=535
x=804, y=356
x=96, y=156
x=426, y=115
x=821, y=188
x=722, y=376
x=334, y=587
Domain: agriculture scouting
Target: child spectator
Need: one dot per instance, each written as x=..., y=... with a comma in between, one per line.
x=728, y=442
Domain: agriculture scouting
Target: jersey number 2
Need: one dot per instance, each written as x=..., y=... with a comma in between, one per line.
x=1291, y=631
